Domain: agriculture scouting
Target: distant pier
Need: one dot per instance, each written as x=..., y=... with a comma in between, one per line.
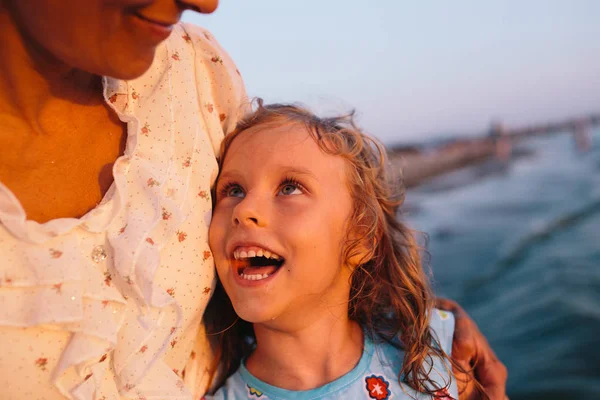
x=422, y=164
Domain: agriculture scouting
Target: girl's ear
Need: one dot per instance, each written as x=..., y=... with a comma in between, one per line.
x=363, y=253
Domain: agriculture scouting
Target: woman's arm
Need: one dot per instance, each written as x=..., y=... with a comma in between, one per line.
x=472, y=351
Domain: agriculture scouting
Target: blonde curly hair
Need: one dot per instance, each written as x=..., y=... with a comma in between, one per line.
x=390, y=295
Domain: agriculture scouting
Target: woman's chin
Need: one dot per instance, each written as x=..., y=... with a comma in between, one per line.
x=127, y=68
x=134, y=70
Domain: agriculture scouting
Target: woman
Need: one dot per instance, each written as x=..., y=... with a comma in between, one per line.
x=105, y=269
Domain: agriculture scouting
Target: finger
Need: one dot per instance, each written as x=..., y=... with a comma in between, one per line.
x=464, y=325
x=466, y=386
x=489, y=370
x=464, y=343
x=471, y=350
x=492, y=375
x=447, y=305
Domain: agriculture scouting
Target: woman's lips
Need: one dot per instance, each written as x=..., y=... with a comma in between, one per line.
x=156, y=29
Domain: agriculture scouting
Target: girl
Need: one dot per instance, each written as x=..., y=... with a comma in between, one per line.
x=309, y=251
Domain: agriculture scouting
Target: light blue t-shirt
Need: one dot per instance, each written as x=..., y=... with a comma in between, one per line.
x=374, y=377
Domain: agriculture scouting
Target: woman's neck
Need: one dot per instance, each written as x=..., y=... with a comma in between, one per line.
x=308, y=358
x=32, y=81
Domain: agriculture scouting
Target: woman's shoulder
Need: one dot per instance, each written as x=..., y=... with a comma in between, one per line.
x=207, y=52
x=199, y=37
x=216, y=78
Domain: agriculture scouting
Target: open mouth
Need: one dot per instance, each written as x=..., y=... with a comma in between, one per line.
x=254, y=263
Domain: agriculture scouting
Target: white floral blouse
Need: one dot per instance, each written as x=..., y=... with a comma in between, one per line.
x=108, y=306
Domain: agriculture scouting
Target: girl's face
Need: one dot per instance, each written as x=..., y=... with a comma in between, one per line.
x=115, y=38
x=281, y=197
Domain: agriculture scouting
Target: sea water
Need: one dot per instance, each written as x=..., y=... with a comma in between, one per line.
x=518, y=246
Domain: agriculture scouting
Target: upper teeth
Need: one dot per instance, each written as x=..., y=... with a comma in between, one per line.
x=256, y=252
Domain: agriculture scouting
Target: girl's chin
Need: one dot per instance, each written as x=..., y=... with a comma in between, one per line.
x=254, y=316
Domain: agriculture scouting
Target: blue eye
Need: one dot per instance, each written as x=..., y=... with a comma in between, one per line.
x=235, y=191
x=290, y=188
x=231, y=190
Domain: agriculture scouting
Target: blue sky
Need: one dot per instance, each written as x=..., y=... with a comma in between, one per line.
x=418, y=69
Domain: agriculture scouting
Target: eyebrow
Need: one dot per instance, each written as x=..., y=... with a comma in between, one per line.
x=299, y=171
x=232, y=174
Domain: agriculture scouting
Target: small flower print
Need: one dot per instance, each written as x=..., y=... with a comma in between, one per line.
x=103, y=358
x=187, y=162
x=222, y=117
x=171, y=292
x=135, y=95
x=149, y=240
x=176, y=371
x=41, y=363
x=443, y=395
x=206, y=255
x=203, y=194
x=88, y=376
x=57, y=287
x=207, y=36
x=122, y=230
x=210, y=107
x=181, y=236
x=193, y=355
x=252, y=392
x=152, y=182
x=443, y=314
x=217, y=59
x=107, y=278
x=206, y=290
x=165, y=214
x=173, y=329
x=377, y=387
x=173, y=343
x=113, y=98
x=145, y=129
x=104, y=303
x=129, y=280
x=55, y=253
x=187, y=38
x=129, y=386
x=143, y=349
x=175, y=56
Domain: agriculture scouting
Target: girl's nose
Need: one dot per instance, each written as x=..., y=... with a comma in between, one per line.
x=248, y=213
x=203, y=6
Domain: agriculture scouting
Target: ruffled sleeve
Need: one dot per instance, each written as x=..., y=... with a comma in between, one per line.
x=219, y=82
x=107, y=282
